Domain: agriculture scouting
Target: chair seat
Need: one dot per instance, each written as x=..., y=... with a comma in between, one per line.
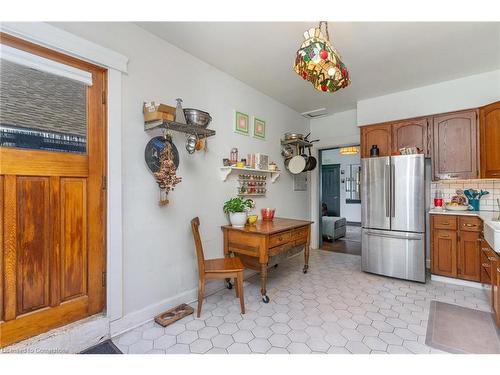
x=224, y=265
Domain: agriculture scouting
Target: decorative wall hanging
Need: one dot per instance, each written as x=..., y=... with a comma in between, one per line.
x=241, y=123
x=162, y=159
x=259, y=128
x=318, y=62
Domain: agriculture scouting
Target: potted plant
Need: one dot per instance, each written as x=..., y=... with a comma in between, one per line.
x=237, y=209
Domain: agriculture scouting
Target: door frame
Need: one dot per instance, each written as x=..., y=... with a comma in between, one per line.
x=116, y=64
x=319, y=191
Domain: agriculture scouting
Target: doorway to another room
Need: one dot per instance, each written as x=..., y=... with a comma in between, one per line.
x=340, y=203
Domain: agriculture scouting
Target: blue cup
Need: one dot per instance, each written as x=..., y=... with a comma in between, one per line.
x=474, y=204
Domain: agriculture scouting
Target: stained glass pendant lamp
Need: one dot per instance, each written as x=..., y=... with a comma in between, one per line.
x=319, y=63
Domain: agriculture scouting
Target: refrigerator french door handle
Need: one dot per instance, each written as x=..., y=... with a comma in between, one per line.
x=387, y=176
x=393, y=192
x=414, y=238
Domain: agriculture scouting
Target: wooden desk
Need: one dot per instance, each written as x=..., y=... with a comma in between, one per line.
x=267, y=243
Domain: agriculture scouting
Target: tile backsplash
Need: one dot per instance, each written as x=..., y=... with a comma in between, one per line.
x=487, y=202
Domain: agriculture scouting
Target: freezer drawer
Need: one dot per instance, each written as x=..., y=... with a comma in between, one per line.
x=395, y=254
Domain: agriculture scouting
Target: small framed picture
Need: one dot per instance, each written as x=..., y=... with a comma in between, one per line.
x=259, y=128
x=241, y=123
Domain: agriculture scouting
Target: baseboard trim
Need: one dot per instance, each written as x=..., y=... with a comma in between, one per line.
x=451, y=280
x=147, y=314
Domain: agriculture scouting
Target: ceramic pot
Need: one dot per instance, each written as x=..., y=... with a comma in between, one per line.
x=238, y=219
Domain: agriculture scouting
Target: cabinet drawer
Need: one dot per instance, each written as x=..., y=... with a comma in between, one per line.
x=277, y=250
x=470, y=224
x=300, y=234
x=280, y=238
x=445, y=222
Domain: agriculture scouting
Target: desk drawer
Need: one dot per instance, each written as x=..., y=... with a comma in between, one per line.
x=280, y=238
x=444, y=222
x=471, y=224
x=277, y=250
x=300, y=234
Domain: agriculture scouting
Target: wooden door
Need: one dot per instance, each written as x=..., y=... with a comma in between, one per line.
x=489, y=130
x=330, y=181
x=411, y=133
x=444, y=252
x=454, y=152
x=379, y=135
x=52, y=216
x=469, y=256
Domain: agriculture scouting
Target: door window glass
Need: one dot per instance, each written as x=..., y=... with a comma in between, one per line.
x=40, y=110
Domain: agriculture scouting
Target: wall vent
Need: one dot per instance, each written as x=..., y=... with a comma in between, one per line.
x=315, y=113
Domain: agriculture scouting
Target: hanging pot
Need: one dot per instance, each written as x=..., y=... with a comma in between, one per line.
x=311, y=161
x=296, y=164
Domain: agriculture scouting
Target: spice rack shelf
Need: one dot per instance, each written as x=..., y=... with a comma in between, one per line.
x=199, y=131
x=226, y=171
x=251, y=195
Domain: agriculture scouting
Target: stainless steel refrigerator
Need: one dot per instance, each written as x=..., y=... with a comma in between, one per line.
x=393, y=216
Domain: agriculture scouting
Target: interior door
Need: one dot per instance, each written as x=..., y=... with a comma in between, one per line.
x=331, y=188
x=52, y=189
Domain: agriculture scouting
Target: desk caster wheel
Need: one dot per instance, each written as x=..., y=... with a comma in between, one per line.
x=229, y=285
x=265, y=299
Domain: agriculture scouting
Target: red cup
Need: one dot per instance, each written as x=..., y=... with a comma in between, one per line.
x=438, y=202
x=267, y=213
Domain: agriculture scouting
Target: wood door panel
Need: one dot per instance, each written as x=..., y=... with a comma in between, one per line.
x=410, y=133
x=53, y=220
x=489, y=123
x=74, y=237
x=469, y=257
x=455, y=145
x=32, y=243
x=444, y=252
x=379, y=135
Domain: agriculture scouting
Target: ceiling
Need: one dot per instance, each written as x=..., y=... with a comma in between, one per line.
x=382, y=57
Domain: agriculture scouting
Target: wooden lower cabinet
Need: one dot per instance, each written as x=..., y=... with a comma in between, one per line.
x=469, y=256
x=456, y=253
x=444, y=252
x=495, y=291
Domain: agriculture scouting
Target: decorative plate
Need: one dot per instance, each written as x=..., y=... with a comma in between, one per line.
x=152, y=152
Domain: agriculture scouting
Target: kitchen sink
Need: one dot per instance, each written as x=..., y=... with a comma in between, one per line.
x=492, y=234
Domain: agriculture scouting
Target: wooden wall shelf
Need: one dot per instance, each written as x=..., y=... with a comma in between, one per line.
x=199, y=131
x=226, y=171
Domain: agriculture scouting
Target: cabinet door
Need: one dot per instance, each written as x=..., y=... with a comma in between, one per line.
x=411, y=133
x=469, y=256
x=444, y=252
x=489, y=130
x=454, y=153
x=379, y=135
x=496, y=292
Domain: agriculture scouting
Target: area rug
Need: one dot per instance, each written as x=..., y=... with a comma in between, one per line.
x=457, y=329
x=105, y=347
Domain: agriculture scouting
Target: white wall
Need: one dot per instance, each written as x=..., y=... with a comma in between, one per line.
x=351, y=211
x=338, y=129
x=159, y=259
x=468, y=92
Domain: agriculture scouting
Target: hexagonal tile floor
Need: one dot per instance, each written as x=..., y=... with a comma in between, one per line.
x=335, y=308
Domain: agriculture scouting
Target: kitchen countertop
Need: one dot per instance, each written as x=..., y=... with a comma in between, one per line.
x=486, y=216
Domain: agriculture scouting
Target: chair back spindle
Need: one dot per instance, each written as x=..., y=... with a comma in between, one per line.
x=195, y=224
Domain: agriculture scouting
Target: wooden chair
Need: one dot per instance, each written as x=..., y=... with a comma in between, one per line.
x=221, y=268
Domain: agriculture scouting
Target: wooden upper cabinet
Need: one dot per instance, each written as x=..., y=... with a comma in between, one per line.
x=411, y=133
x=454, y=153
x=489, y=130
x=379, y=135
